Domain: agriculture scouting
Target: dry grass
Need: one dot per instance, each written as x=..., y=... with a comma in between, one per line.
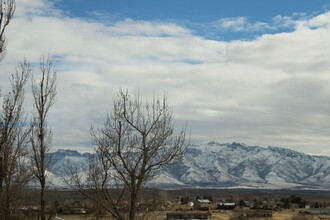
x=221, y=216
x=279, y=215
x=217, y=215
x=81, y=217
x=283, y=215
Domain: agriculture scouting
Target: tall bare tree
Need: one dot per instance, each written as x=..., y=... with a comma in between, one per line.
x=14, y=137
x=136, y=140
x=7, y=9
x=44, y=94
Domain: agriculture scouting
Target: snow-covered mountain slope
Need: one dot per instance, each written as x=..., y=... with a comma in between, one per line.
x=229, y=165
x=61, y=159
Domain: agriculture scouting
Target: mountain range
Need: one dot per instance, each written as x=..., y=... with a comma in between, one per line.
x=216, y=165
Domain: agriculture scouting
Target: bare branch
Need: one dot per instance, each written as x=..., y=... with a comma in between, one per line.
x=137, y=140
x=7, y=9
x=14, y=137
x=44, y=95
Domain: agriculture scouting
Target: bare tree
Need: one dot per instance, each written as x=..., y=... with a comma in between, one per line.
x=44, y=94
x=136, y=141
x=14, y=137
x=7, y=9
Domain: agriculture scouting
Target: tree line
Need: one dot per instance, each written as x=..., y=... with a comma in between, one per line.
x=136, y=139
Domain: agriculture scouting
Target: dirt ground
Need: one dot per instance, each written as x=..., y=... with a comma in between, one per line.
x=279, y=215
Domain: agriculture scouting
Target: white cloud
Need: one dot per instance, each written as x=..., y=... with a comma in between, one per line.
x=240, y=24
x=320, y=21
x=30, y=9
x=243, y=24
x=269, y=91
x=144, y=28
x=283, y=21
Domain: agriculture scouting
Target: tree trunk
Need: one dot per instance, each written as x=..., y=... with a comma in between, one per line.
x=133, y=205
x=1, y=173
x=42, y=202
x=97, y=216
x=7, y=213
x=135, y=191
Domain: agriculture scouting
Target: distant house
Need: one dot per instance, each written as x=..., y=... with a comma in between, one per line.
x=315, y=211
x=69, y=210
x=190, y=204
x=249, y=204
x=202, y=204
x=79, y=211
x=226, y=205
x=295, y=206
x=188, y=215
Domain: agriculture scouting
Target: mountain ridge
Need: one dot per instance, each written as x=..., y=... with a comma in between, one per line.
x=238, y=165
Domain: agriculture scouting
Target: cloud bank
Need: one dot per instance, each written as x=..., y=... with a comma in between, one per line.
x=271, y=90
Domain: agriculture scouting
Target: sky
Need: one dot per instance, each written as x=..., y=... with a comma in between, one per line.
x=248, y=71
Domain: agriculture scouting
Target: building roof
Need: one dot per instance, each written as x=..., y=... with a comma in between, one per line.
x=203, y=200
x=227, y=203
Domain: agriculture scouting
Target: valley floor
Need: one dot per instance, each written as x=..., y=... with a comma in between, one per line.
x=278, y=215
